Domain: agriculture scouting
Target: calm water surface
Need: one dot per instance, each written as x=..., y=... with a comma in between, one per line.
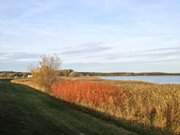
x=152, y=79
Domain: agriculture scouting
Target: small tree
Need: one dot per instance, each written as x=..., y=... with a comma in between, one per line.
x=47, y=71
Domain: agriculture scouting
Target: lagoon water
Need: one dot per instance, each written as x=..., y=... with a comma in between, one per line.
x=153, y=79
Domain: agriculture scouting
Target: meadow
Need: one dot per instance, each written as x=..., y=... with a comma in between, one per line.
x=144, y=108
x=27, y=111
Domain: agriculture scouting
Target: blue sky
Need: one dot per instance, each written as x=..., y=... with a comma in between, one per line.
x=91, y=35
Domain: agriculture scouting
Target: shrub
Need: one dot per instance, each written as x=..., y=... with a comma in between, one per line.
x=47, y=71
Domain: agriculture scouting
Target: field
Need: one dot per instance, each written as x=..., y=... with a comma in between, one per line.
x=26, y=111
x=140, y=107
x=156, y=108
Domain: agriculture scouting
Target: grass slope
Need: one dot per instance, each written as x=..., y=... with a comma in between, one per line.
x=24, y=111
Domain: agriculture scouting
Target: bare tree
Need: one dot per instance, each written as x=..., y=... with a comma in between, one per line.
x=47, y=71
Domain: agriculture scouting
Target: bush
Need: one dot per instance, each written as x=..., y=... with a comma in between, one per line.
x=47, y=71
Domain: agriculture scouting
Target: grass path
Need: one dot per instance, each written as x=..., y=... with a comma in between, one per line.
x=24, y=111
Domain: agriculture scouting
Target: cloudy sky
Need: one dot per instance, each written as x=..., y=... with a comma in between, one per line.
x=91, y=35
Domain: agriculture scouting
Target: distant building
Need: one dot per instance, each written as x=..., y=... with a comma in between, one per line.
x=29, y=76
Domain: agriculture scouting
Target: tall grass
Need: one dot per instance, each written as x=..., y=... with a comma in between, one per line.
x=99, y=96
x=155, y=105
x=148, y=104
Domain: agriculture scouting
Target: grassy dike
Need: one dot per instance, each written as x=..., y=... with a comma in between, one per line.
x=24, y=111
x=136, y=113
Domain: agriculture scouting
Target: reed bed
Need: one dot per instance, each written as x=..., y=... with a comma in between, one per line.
x=151, y=105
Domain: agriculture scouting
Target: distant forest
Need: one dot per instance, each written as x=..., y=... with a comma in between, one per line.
x=72, y=73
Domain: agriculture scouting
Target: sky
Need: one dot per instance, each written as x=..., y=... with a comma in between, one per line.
x=91, y=35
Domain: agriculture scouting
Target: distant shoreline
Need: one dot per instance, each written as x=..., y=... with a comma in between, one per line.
x=126, y=74
x=72, y=73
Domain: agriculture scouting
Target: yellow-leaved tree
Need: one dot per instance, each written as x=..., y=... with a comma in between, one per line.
x=46, y=73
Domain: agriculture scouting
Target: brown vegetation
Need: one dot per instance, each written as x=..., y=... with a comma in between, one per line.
x=148, y=104
x=47, y=71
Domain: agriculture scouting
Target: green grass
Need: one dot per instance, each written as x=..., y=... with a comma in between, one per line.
x=24, y=111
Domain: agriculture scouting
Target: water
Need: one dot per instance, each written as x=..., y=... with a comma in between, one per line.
x=153, y=79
